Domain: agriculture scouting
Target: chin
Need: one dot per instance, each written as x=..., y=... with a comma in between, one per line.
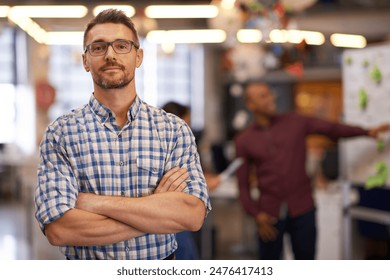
x=272, y=113
x=114, y=85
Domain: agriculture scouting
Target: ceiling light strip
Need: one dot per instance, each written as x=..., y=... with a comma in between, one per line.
x=50, y=11
x=348, y=40
x=129, y=10
x=296, y=36
x=29, y=26
x=4, y=10
x=249, y=36
x=192, y=36
x=181, y=11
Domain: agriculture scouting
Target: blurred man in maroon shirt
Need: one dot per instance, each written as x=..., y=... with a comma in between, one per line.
x=275, y=146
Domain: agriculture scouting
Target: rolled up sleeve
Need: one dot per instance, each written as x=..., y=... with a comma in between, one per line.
x=56, y=190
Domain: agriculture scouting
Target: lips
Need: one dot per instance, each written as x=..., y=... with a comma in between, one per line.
x=111, y=67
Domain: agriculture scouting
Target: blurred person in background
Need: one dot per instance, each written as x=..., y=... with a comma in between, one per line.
x=117, y=177
x=188, y=249
x=274, y=148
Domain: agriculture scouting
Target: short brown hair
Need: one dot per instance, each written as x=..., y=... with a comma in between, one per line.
x=176, y=109
x=111, y=16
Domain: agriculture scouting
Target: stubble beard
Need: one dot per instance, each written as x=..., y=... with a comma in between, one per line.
x=111, y=83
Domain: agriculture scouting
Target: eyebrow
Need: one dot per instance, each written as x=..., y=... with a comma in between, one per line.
x=105, y=41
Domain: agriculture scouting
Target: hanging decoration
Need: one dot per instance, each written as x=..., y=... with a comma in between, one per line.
x=44, y=95
x=263, y=15
x=295, y=6
x=228, y=19
x=247, y=61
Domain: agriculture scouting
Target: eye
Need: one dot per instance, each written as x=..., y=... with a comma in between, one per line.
x=122, y=45
x=97, y=47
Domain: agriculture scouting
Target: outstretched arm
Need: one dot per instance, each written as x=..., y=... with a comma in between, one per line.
x=336, y=130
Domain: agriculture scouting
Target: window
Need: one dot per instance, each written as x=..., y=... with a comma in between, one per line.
x=72, y=84
x=178, y=77
x=7, y=88
x=7, y=60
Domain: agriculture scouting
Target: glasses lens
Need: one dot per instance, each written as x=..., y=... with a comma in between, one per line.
x=122, y=46
x=98, y=48
x=119, y=46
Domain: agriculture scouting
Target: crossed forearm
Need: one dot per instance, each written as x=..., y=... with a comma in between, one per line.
x=166, y=212
x=81, y=228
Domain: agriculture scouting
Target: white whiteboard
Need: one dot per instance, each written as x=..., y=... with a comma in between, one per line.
x=361, y=70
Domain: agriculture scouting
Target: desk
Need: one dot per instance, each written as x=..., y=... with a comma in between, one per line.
x=352, y=212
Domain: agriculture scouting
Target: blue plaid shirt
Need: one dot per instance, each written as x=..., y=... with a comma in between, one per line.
x=85, y=151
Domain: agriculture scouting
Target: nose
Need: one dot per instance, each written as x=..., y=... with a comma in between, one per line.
x=110, y=54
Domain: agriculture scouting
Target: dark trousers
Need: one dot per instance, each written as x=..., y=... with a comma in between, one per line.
x=303, y=236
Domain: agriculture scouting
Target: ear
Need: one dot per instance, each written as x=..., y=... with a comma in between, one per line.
x=139, y=58
x=85, y=63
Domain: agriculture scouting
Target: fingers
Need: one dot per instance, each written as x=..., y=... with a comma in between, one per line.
x=374, y=132
x=264, y=218
x=266, y=229
x=173, y=180
x=267, y=232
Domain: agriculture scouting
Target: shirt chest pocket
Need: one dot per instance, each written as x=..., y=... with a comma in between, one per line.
x=150, y=169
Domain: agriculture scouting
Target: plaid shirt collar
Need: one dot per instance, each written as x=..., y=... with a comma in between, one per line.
x=104, y=114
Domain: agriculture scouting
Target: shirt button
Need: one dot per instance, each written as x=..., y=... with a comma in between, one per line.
x=127, y=249
x=121, y=163
x=122, y=193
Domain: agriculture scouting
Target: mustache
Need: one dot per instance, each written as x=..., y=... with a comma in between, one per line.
x=112, y=64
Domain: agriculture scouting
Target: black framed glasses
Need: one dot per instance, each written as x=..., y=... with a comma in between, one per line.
x=120, y=47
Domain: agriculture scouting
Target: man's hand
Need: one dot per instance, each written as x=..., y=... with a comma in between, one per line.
x=173, y=180
x=265, y=227
x=374, y=132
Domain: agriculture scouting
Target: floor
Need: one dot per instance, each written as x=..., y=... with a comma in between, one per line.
x=14, y=243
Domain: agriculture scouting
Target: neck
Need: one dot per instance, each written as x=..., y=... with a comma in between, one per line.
x=117, y=100
x=262, y=120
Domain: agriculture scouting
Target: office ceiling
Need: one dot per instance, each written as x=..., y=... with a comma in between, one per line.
x=370, y=18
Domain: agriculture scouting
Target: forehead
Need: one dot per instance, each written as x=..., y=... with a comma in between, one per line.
x=257, y=89
x=109, y=32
